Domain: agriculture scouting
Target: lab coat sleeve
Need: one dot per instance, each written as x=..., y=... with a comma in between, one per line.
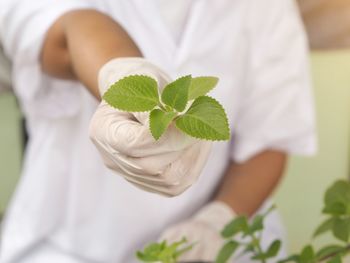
x=23, y=27
x=5, y=78
x=277, y=109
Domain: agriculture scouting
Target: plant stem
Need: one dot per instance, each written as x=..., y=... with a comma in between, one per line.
x=325, y=258
x=160, y=105
x=258, y=247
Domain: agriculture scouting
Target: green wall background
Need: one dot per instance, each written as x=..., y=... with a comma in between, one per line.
x=301, y=193
x=10, y=147
x=299, y=197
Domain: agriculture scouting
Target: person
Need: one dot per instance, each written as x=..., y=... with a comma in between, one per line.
x=5, y=81
x=73, y=203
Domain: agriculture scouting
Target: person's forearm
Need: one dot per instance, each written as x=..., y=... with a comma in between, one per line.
x=246, y=186
x=80, y=43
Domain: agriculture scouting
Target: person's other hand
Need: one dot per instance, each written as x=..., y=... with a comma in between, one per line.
x=203, y=230
x=167, y=166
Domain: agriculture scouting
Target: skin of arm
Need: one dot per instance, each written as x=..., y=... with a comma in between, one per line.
x=80, y=42
x=246, y=185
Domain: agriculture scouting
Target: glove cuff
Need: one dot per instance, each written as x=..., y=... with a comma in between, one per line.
x=217, y=214
x=119, y=68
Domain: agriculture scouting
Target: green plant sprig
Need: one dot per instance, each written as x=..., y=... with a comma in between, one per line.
x=337, y=209
x=251, y=230
x=164, y=253
x=204, y=118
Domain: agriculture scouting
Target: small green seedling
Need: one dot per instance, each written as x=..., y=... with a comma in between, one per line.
x=164, y=253
x=204, y=119
x=337, y=223
x=251, y=230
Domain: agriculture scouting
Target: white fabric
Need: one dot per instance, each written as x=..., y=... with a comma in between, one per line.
x=48, y=253
x=175, y=15
x=167, y=166
x=203, y=230
x=67, y=195
x=5, y=75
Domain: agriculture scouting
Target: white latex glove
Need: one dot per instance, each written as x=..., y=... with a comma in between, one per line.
x=167, y=166
x=204, y=229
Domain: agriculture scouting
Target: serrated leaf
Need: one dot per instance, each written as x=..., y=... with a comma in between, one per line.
x=159, y=121
x=205, y=119
x=328, y=250
x=175, y=94
x=226, y=251
x=341, y=229
x=235, y=226
x=273, y=249
x=324, y=227
x=200, y=86
x=133, y=93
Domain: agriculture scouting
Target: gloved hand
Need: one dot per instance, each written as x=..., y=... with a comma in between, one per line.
x=203, y=229
x=167, y=166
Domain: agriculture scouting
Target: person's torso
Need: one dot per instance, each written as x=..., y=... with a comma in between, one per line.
x=78, y=202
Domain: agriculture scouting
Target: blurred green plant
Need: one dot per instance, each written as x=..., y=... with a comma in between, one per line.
x=250, y=233
x=245, y=235
x=336, y=208
x=164, y=253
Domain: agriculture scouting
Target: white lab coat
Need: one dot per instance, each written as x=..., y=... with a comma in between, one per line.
x=5, y=76
x=68, y=207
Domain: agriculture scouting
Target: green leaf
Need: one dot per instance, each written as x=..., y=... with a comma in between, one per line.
x=257, y=224
x=273, y=249
x=153, y=248
x=133, y=93
x=336, y=259
x=227, y=251
x=161, y=252
x=150, y=253
x=341, y=229
x=184, y=250
x=292, y=258
x=239, y=224
x=174, y=251
x=205, y=119
x=307, y=255
x=201, y=86
x=337, y=198
x=324, y=227
x=145, y=258
x=259, y=256
x=250, y=247
x=328, y=250
x=335, y=209
x=159, y=122
x=175, y=94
